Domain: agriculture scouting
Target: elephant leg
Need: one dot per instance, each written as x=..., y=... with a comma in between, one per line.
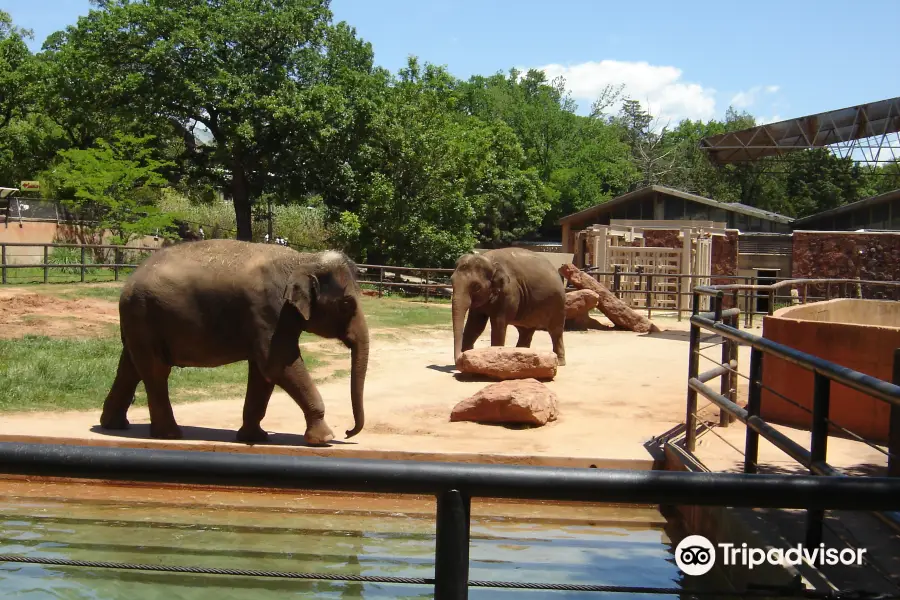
x=475, y=325
x=121, y=395
x=498, y=331
x=525, y=335
x=259, y=391
x=162, y=419
x=556, y=336
x=295, y=380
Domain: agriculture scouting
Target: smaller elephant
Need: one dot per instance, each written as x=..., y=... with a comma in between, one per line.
x=507, y=286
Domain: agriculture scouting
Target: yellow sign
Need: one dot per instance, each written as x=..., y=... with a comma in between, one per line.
x=30, y=186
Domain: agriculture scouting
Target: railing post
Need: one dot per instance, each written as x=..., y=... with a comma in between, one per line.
x=117, y=256
x=894, y=430
x=3, y=262
x=690, y=421
x=771, y=301
x=729, y=379
x=617, y=279
x=818, y=451
x=380, y=282
x=426, y=286
x=754, y=406
x=679, y=297
x=451, y=560
x=649, y=295
x=83, y=258
x=46, y=263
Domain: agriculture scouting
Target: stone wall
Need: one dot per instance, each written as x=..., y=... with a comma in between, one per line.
x=834, y=255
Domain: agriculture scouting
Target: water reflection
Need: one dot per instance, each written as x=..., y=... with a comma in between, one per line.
x=606, y=551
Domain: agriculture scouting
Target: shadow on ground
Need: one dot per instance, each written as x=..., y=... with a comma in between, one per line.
x=214, y=434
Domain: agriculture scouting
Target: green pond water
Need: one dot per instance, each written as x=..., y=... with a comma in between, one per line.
x=618, y=550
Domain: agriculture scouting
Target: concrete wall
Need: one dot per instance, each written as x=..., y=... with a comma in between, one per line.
x=45, y=232
x=867, y=348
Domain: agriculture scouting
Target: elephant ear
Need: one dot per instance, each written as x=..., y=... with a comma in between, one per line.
x=499, y=280
x=301, y=291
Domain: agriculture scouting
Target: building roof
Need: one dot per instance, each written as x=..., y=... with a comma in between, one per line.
x=845, y=208
x=839, y=126
x=651, y=189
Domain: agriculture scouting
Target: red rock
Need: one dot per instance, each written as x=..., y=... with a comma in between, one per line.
x=616, y=310
x=508, y=363
x=526, y=401
x=580, y=302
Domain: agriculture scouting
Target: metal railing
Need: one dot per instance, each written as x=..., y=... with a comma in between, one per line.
x=749, y=291
x=724, y=322
x=453, y=485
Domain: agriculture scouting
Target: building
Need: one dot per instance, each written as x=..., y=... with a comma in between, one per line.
x=659, y=203
x=877, y=213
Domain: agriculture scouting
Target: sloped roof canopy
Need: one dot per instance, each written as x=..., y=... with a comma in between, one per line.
x=598, y=209
x=845, y=208
x=843, y=125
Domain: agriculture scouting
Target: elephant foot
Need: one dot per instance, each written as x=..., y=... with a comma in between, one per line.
x=318, y=434
x=252, y=435
x=169, y=432
x=561, y=360
x=116, y=422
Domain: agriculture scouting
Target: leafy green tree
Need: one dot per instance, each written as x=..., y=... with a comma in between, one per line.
x=15, y=70
x=246, y=72
x=110, y=187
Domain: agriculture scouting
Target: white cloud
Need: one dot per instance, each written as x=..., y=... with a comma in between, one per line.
x=767, y=120
x=659, y=88
x=749, y=97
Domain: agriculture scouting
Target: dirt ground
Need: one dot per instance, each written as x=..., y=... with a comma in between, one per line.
x=23, y=311
x=618, y=390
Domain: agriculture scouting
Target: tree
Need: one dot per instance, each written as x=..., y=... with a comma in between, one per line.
x=15, y=63
x=110, y=187
x=245, y=71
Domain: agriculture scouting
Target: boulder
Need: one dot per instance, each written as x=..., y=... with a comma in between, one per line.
x=508, y=363
x=616, y=310
x=580, y=302
x=527, y=401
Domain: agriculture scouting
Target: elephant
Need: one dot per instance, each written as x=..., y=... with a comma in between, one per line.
x=215, y=302
x=508, y=286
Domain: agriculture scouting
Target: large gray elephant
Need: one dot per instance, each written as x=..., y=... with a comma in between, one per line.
x=508, y=286
x=214, y=302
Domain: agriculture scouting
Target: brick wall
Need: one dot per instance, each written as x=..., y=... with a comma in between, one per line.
x=873, y=256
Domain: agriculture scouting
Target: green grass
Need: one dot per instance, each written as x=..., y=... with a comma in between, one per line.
x=40, y=373
x=56, y=275
x=383, y=312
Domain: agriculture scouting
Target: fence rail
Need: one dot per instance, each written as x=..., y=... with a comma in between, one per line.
x=453, y=485
x=724, y=322
x=753, y=299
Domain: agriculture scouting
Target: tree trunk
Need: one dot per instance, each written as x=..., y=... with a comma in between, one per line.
x=616, y=310
x=240, y=194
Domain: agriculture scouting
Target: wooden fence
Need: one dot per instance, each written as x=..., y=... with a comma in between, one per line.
x=638, y=290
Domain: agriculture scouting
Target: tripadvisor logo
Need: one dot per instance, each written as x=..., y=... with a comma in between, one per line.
x=696, y=555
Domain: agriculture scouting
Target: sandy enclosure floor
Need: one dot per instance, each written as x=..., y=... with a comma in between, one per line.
x=617, y=391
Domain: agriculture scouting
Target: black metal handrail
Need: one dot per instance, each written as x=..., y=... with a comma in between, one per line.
x=724, y=323
x=453, y=484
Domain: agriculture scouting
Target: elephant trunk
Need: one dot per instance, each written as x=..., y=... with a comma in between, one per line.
x=461, y=303
x=359, y=362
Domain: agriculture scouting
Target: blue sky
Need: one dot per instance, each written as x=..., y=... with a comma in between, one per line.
x=687, y=59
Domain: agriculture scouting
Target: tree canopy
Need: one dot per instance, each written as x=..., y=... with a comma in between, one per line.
x=273, y=99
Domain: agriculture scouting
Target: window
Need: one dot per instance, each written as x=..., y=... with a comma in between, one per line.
x=633, y=210
x=880, y=216
x=674, y=209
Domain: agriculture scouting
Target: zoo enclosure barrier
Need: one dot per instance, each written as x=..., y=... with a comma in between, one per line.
x=453, y=485
x=640, y=292
x=724, y=322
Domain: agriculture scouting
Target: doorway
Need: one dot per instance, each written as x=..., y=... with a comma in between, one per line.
x=764, y=277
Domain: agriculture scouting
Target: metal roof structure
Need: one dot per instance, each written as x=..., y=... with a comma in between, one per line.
x=870, y=130
x=750, y=211
x=845, y=208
